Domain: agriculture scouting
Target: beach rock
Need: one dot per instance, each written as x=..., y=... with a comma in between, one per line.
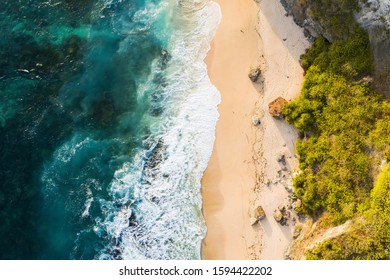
x=253, y=221
x=289, y=188
x=275, y=107
x=297, y=231
x=282, y=207
x=281, y=158
x=278, y=216
x=254, y=74
x=259, y=213
x=297, y=204
x=281, y=215
x=256, y=120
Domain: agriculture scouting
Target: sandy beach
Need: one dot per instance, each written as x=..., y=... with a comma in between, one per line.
x=243, y=171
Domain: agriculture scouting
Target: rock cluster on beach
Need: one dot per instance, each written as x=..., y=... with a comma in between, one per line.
x=286, y=211
x=281, y=215
x=275, y=107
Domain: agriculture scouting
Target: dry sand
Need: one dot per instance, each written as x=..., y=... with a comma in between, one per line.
x=244, y=155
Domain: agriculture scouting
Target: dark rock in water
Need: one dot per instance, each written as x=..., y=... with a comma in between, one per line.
x=132, y=220
x=275, y=108
x=156, y=111
x=116, y=254
x=254, y=74
x=155, y=155
x=165, y=58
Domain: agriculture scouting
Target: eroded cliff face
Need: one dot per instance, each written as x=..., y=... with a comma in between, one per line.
x=299, y=10
x=373, y=16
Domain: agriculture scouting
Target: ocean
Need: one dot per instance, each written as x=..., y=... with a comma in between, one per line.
x=107, y=121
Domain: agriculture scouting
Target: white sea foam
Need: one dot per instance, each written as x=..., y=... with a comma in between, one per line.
x=163, y=192
x=87, y=203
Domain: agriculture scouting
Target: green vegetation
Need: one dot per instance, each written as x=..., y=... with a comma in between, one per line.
x=345, y=128
x=370, y=235
x=337, y=115
x=379, y=136
x=335, y=16
x=350, y=57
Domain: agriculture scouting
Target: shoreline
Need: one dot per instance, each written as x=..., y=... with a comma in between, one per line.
x=229, y=179
x=243, y=163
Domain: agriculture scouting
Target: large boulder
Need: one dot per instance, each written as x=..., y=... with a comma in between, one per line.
x=275, y=108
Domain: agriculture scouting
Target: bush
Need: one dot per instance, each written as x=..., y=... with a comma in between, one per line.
x=335, y=16
x=344, y=124
x=369, y=236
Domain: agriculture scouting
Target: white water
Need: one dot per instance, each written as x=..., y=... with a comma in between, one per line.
x=166, y=197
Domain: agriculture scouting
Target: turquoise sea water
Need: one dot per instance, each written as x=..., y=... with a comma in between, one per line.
x=107, y=121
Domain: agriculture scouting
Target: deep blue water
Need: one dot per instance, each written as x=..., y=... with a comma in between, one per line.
x=107, y=122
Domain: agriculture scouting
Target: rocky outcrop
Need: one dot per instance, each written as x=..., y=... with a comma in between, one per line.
x=275, y=107
x=299, y=9
x=374, y=13
x=374, y=17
